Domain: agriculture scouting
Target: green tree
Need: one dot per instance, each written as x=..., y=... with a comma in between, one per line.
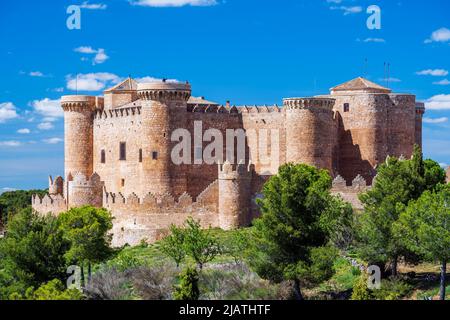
x=173, y=245
x=424, y=227
x=87, y=230
x=13, y=202
x=32, y=252
x=200, y=244
x=293, y=232
x=397, y=183
x=53, y=290
x=188, y=287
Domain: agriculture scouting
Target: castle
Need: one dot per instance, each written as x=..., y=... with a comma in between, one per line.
x=119, y=151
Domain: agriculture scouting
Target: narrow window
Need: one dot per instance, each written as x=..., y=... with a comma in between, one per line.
x=123, y=151
x=346, y=107
x=103, y=156
x=122, y=182
x=154, y=155
x=140, y=155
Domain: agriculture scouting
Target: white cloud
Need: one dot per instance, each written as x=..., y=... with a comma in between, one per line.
x=36, y=74
x=433, y=72
x=440, y=35
x=45, y=126
x=149, y=79
x=348, y=10
x=174, y=3
x=444, y=82
x=390, y=80
x=53, y=140
x=377, y=40
x=100, y=54
x=91, y=81
x=6, y=189
x=10, y=143
x=100, y=57
x=334, y=1
x=24, y=131
x=7, y=111
x=436, y=120
x=438, y=102
x=86, y=50
x=93, y=6
x=48, y=108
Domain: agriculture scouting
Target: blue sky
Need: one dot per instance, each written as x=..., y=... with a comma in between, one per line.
x=246, y=51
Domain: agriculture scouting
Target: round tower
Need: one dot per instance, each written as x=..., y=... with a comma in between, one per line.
x=78, y=133
x=164, y=107
x=420, y=111
x=234, y=195
x=310, y=131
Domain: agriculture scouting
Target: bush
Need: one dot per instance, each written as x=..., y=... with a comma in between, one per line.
x=188, y=288
x=108, y=284
x=392, y=289
x=237, y=282
x=153, y=284
x=361, y=290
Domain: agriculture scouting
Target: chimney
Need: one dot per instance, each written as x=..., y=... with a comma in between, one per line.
x=228, y=103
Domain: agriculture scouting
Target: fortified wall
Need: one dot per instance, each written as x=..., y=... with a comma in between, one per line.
x=119, y=151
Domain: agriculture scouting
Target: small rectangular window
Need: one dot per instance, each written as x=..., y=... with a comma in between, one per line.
x=140, y=155
x=102, y=156
x=154, y=155
x=123, y=151
x=346, y=107
x=122, y=182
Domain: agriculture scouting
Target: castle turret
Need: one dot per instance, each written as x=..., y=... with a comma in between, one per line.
x=234, y=195
x=78, y=133
x=84, y=190
x=310, y=131
x=164, y=107
x=420, y=111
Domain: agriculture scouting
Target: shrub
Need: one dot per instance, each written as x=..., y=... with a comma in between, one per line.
x=108, y=284
x=153, y=284
x=188, y=288
x=361, y=290
x=392, y=289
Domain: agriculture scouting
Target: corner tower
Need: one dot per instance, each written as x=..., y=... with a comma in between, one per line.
x=310, y=131
x=78, y=133
x=164, y=107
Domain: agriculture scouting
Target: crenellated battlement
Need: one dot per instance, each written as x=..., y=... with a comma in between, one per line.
x=309, y=103
x=164, y=203
x=54, y=204
x=164, y=91
x=234, y=109
x=79, y=103
x=350, y=192
x=55, y=186
x=235, y=171
x=117, y=113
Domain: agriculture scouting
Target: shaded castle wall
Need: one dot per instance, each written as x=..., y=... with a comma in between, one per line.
x=376, y=125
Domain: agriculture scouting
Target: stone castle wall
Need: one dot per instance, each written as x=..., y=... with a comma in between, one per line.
x=347, y=133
